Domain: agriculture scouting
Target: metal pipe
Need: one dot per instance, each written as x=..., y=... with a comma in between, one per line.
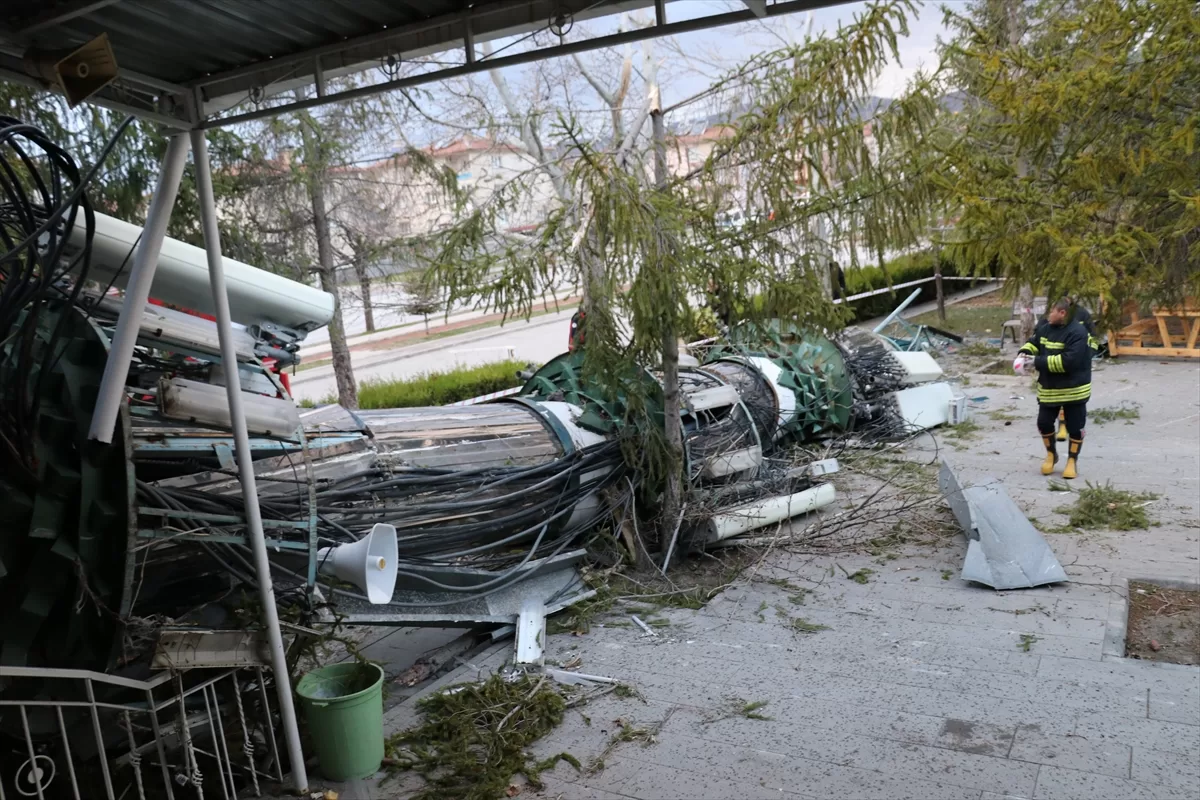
x=730, y=522
x=896, y=312
x=254, y=524
x=137, y=291
x=516, y=59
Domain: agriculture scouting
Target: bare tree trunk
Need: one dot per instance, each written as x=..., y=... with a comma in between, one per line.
x=364, y=287
x=673, y=491
x=1025, y=293
x=343, y=369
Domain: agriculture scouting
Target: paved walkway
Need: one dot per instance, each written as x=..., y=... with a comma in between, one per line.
x=921, y=686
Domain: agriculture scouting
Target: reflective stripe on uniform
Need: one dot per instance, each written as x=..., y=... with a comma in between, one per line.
x=1059, y=396
x=1055, y=364
x=1030, y=348
x=1049, y=345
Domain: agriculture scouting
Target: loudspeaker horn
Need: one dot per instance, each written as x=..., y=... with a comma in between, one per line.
x=369, y=563
x=79, y=74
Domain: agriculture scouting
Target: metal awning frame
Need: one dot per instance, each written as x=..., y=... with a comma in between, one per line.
x=192, y=109
x=204, y=103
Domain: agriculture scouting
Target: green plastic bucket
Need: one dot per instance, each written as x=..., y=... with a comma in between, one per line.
x=344, y=707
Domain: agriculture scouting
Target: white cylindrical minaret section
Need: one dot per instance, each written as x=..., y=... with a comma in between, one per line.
x=181, y=278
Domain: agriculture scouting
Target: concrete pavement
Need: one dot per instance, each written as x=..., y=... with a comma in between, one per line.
x=921, y=685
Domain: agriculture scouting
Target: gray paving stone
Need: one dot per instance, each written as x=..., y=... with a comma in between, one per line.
x=1172, y=707
x=847, y=783
x=1055, y=783
x=994, y=796
x=1168, y=769
x=1123, y=673
x=1084, y=609
x=981, y=738
x=1072, y=752
x=891, y=757
x=557, y=790
x=1150, y=734
x=652, y=781
x=1031, y=621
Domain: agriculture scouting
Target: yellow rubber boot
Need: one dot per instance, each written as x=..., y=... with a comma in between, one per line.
x=1062, y=426
x=1051, y=454
x=1072, y=456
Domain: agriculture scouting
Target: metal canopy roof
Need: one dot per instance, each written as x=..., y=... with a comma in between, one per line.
x=206, y=63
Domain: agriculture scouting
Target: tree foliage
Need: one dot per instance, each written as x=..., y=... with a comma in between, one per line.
x=659, y=248
x=1098, y=102
x=125, y=182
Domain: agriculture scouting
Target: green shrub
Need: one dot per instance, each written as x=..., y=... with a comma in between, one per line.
x=438, y=388
x=912, y=267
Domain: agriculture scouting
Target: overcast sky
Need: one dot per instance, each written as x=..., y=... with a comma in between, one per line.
x=916, y=51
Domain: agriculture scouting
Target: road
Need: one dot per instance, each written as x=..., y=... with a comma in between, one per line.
x=538, y=341
x=387, y=301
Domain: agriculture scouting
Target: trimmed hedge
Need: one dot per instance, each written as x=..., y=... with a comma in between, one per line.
x=437, y=388
x=440, y=388
x=912, y=267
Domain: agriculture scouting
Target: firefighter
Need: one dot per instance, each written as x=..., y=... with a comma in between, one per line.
x=575, y=337
x=1059, y=351
x=1077, y=313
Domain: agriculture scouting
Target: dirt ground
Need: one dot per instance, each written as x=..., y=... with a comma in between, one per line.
x=1164, y=624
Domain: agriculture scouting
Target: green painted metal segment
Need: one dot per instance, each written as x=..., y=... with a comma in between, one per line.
x=62, y=544
x=605, y=407
x=812, y=367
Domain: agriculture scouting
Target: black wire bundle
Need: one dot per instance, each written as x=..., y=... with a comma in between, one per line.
x=42, y=196
x=485, y=518
x=877, y=376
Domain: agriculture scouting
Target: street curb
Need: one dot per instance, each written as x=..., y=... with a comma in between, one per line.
x=410, y=351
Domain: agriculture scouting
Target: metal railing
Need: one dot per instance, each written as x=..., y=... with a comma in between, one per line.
x=89, y=735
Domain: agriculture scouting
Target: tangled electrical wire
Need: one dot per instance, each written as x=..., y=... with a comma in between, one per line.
x=42, y=198
x=496, y=518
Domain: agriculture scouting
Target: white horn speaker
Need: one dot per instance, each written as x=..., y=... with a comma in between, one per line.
x=369, y=563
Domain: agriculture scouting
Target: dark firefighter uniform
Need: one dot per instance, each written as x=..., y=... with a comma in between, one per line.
x=1063, y=360
x=1081, y=315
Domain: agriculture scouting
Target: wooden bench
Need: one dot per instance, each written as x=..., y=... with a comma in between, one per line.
x=1166, y=332
x=1014, y=324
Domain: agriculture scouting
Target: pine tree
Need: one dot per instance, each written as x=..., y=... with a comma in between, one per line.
x=1098, y=104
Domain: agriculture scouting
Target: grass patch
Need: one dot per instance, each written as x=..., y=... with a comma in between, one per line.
x=440, y=388
x=1105, y=507
x=969, y=320
x=800, y=624
x=737, y=707
x=1004, y=415
x=979, y=350
x=618, y=593
x=320, y=362
x=751, y=710
x=1125, y=411
x=967, y=429
x=474, y=738
x=859, y=576
x=947, y=574
x=1026, y=643
x=626, y=732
